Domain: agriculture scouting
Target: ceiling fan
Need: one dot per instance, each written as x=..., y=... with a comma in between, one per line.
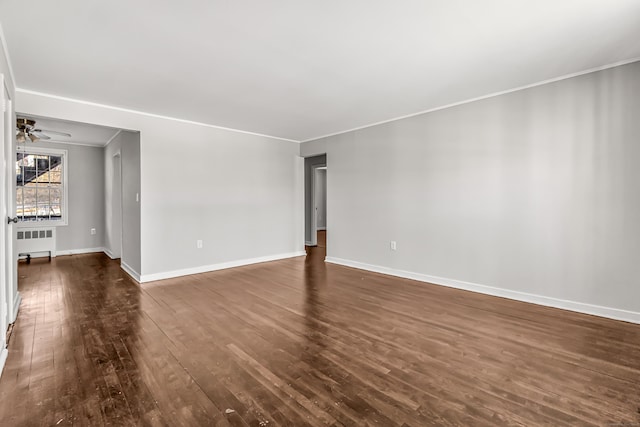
x=26, y=128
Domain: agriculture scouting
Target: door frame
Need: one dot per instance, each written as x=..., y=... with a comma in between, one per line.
x=314, y=206
x=10, y=260
x=5, y=258
x=316, y=174
x=117, y=157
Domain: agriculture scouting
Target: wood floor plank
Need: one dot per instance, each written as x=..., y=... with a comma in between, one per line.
x=302, y=343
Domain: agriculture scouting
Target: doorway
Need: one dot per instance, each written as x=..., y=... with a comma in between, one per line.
x=116, y=207
x=320, y=196
x=315, y=178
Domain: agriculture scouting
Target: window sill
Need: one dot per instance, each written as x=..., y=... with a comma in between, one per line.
x=37, y=224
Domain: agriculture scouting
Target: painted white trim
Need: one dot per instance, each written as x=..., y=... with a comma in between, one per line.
x=299, y=195
x=118, y=197
x=321, y=228
x=596, y=310
x=6, y=55
x=308, y=243
x=56, y=141
x=108, y=253
x=130, y=271
x=38, y=149
x=479, y=98
x=16, y=306
x=3, y=356
x=220, y=266
x=314, y=213
x=113, y=137
x=143, y=113
x=97, y=144
x=78, y=251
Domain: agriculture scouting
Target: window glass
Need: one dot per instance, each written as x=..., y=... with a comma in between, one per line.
x=39, y=187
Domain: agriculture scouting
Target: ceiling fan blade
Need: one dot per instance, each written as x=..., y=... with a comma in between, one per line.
x=38, y=135
x=52, y=131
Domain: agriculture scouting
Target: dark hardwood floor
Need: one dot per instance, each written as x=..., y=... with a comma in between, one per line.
x=297, y=342
x=322, y=239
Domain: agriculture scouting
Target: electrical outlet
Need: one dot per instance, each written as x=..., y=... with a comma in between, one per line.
x=393, y=245
x=199, y=244
x=93, y=231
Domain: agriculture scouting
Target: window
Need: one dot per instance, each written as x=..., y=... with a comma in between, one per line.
x=40, y=186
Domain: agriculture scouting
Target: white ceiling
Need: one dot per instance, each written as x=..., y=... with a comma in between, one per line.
x=81, y=133
x=300, y=69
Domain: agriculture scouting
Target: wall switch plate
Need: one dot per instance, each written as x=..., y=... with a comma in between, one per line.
x=393, y=245
x=199, y=244
x=137, y=197
x=93, y=231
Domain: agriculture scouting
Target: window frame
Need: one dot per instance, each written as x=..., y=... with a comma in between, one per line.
x=64, y=220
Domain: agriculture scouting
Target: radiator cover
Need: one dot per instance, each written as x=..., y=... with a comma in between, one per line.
x=36, y=240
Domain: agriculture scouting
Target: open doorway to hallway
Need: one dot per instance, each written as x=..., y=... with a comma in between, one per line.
x=113, y=218
x=322, y=238
x=320, y=196
x=315, y=177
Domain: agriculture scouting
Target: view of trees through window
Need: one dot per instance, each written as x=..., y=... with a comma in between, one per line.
x=39, y=189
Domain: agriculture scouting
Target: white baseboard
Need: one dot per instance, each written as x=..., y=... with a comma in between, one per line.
x=321, y=228
x=308, y=243
x=3, y=356
x=596, y=310
x=130, y=271
x=213, y=267
x=16, y=306
x=109, y=253
x=78, y=251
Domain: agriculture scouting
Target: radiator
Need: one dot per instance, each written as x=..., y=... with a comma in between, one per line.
x=36, y=241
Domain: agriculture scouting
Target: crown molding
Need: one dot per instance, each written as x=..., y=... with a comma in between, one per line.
x=479, y=98
x=143, y=113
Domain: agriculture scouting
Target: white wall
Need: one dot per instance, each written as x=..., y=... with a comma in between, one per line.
x=128, y=145
x=535, y=193
x=238, y=192
x=85, y=169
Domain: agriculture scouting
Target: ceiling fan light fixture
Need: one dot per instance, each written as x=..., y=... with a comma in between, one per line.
x=26, y=131
x=23, y=123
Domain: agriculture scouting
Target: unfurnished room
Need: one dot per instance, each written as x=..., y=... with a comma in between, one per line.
x=320, y=213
